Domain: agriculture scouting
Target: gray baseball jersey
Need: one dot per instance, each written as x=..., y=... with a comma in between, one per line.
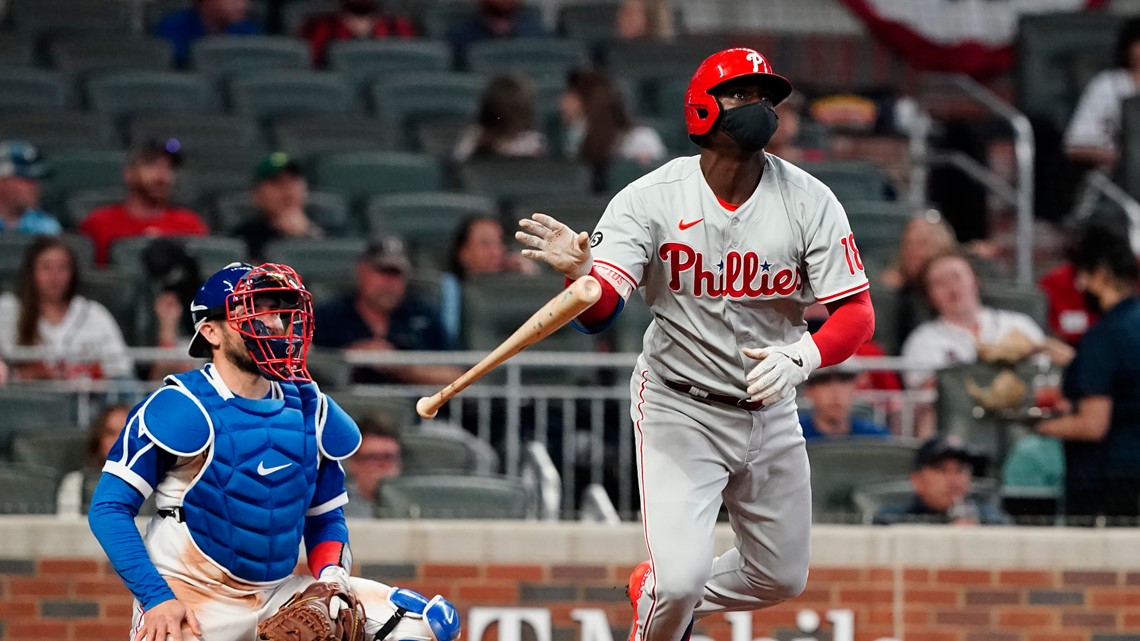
x=717, y=280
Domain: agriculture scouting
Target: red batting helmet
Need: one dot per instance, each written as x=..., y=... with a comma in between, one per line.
x=702, y=109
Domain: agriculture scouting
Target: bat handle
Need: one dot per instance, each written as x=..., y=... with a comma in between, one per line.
x=428, y=406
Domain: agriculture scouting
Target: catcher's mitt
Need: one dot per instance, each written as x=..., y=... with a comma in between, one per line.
x=316, y=615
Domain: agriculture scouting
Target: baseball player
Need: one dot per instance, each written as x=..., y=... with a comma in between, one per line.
x=727, y=248
x=244, y=458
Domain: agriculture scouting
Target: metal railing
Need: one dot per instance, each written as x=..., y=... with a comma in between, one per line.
x=1097, y=185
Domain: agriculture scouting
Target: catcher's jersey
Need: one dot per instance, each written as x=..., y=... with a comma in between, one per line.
x=719, y=280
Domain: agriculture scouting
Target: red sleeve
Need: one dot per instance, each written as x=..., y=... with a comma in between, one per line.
x=603, y=310
x=852, y=323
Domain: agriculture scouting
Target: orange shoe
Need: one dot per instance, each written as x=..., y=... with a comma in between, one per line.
x=637, y=580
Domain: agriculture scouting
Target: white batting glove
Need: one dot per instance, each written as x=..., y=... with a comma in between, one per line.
x=781, y=369
x=556, y=245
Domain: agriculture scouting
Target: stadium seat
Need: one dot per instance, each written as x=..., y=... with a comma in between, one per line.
x=46, y=18
x=871, y=496
x=650, y=62
x=294, y=13
x=839, y=466
x=331, y=258
x=1130, y=146
x=12, y=247
x=620, y=173
x=533, y=57
x=212, y=252
x=25, y=489
x=197, y=132
x=207, y=173
x=327, y=366
x=424, y=219
x=1010, y=296
x=329, y=211
x=405, y=100
x=123, y=94
x=17, y=50
x=84, y=55
x=594, y=22
x=77, y=170
x=309, y=137
x=578, y=212
x=225, y=57
x=439, y=136
x=852, y=180
x=23, y=89
x=61, y=450
x=438, y=17
x=108, y=286
x=79, y=204
x=440, y=496
x=360, y=406
x=446, y=449
x=510, y=179
x=989, y=436
x=363, y=62
x=360, y=175
x=267, y=96
x=26, y=410
x=53, y=130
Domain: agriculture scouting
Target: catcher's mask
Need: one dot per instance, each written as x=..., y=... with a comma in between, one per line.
x=273, y=312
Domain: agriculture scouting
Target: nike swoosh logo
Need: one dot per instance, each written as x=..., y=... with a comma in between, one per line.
x=265, y=471
x=685, y=225
x=197, y=308
x=798, y=362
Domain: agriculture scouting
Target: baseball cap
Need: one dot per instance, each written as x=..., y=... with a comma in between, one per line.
x=210, y=303
x=829, y=374
x=388, y=252
x=274, y=165
x=19, y=159
x=941, y=448
x=153, y=149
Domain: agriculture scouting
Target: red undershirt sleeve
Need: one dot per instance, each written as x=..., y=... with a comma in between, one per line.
x=598, y=314
x=852, y=323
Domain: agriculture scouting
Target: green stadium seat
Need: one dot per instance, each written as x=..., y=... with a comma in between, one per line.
x=207, y=173
x=53, y=130
x=45, y=18
x=330, y=258
x=870, y=497
x=17, y=50
x=446, y=449
x=294, y=13
x=359, y=406
x=1010, y=296
x=25, y=489
x=23, y=89
x=452, y=497
x=77, y=170
x=363, y=174
x=424, y=219
x=12, y=247
x=438, y=17
x=620, y=173
x=212, y=252
x=197, y=131
x=578, y=212
x=649, y=63
x=839, y=466
x=225, y=57
x=329, y=211
x=852, y=180
x=82, y=55
x=272, y=95
x=310, y=137
x=27, y=410
x=533, y=57
x=510, y=179
x=439, y=136
x=403, y=101
x=363, y=62
x=124, y=94
x=109, y=287
x=61, y=450
x=594, y=22
x=80, y=203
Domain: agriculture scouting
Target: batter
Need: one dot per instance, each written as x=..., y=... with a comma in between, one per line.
x=728, y=249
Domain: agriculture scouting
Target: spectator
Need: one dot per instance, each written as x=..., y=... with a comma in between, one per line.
x=943, y=473
x=147, y=211
x=381, y=315
x=20, y=172
x=598, y=128
x=787, y=142
x=205, y=18
x=356, y=20
x=923, y=238
x=280, y=193
x=505, y=123
x=831, y=392
x=1102, y=433
x=175, y=276
x=1093, y=135
x=493, y=19
x=645, y=19
x=477, y=248
x=378, y=459
x=951, y=288
x=102, y=434
x=79, y=337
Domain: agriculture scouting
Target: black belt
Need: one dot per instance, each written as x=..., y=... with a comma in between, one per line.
x=705, y=395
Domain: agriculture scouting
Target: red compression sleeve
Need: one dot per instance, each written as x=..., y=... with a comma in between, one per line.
x=328, y=553
x=852, y=323
x=600, y=311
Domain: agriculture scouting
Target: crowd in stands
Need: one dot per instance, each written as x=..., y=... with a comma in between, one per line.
x=940, y=313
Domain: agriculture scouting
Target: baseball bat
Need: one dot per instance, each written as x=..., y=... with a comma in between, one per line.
x=560, y=310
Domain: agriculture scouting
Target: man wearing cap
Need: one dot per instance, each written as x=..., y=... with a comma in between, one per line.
x=147, y=211
x=279, y=193
x=380, y=315
x=21, y=169
x=831, y=392
x=943, y=472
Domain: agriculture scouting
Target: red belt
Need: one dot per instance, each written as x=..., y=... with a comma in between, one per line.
x=705, y=395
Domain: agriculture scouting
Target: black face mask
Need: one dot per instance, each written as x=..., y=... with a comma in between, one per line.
x=1092, y=302
x=751, y=126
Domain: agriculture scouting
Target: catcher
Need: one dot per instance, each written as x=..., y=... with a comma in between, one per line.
x=244, y=458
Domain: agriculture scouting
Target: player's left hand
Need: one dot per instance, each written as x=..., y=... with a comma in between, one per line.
x=781, y=369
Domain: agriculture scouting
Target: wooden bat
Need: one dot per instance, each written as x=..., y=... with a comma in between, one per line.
x=561, y=309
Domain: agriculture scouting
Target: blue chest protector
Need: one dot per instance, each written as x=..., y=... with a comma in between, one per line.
x=246, y=511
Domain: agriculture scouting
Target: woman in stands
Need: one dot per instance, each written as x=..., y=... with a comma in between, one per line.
x=78, y=337
x=506, y=124
x=1093, y=135
x=598, y=128
x=103, y=433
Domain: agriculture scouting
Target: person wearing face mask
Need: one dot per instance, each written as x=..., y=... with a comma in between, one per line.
x=1101, y=433
x=728, y=248
x=355, y=20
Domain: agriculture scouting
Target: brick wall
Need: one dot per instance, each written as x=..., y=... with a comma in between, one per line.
x=73, y=599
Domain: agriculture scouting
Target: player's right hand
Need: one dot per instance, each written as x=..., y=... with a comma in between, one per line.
x=556, y=245
x=165, y=619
